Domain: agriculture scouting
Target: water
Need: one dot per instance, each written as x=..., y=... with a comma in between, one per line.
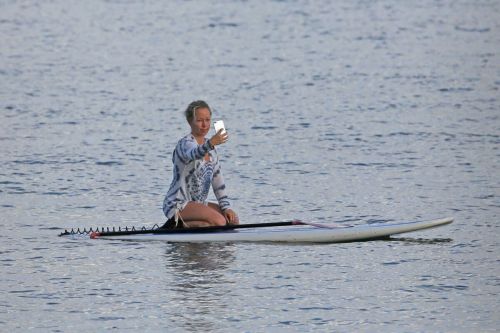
x=345, y=112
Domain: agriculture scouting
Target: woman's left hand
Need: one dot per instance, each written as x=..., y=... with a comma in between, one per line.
x=231, y=216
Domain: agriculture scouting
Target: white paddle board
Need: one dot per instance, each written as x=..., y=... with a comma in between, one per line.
x=301, y=234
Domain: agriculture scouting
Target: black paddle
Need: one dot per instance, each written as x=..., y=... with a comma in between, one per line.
x=196, y=229
x=133, y=231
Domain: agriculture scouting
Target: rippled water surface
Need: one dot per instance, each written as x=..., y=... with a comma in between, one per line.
x=339, y=112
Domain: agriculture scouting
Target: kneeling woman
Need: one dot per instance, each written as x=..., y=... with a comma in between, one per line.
x=196, y=167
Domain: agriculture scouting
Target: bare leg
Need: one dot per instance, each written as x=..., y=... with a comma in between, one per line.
x=217, y=208
x=198, y=215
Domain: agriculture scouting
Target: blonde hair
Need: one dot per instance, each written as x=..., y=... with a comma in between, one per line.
x=190, y=112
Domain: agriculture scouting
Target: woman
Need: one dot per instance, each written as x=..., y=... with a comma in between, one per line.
x=196, y=167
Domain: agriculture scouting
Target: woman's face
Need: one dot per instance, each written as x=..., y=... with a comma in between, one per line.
x=200, y=125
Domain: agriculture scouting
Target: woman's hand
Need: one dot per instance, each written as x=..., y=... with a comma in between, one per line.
x=219, y=138
x=231, y=216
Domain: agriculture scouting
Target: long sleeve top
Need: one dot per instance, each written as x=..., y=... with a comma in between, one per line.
x=193, y=176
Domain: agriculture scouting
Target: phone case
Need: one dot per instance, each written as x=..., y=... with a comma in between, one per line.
x=218, y=125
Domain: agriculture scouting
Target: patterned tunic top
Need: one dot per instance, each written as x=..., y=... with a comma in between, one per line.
x=193, y=176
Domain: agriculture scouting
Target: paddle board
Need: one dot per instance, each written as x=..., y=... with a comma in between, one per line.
x=293, y=233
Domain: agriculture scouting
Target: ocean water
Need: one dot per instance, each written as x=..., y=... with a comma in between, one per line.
x=338, y=112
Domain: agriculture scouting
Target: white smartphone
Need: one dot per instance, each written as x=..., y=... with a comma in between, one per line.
x=219, y=124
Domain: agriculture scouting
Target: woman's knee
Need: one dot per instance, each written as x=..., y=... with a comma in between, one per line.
x=217, y=220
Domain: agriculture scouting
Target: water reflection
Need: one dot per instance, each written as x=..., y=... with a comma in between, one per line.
x=410, y=240
x=200, y=257
x=199, y=283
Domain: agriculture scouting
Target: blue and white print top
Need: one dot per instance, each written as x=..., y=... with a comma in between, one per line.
x=193, y=176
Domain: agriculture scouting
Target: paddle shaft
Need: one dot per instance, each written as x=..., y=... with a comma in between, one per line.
x=198, y=229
